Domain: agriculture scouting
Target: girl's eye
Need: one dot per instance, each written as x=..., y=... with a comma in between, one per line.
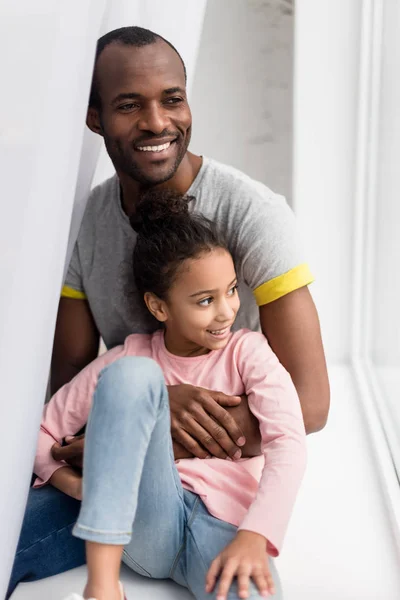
x=205, y=302
x=233, y=290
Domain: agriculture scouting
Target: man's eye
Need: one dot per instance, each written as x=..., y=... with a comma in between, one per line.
x=205, y=302
x=126, y=107
x=174, y=100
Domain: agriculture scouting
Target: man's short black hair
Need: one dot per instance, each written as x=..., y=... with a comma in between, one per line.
x=131, y=36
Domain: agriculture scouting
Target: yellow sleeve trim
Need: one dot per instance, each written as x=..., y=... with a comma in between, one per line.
x=283, y=284
x=69, y=292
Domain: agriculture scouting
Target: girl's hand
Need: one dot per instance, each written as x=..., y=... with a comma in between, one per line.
x=69, y=481
x=246, y=556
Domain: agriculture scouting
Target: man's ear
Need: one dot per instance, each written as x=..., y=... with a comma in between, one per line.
x=93, y=120
x=157, y=307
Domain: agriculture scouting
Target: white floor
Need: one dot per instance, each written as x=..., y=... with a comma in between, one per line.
x=389, y=384
x=339, y=545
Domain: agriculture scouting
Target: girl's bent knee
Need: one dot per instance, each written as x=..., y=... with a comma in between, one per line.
x=135, y=373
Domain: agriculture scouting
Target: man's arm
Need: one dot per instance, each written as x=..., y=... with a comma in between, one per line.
x=76, y=341
x=292, y=328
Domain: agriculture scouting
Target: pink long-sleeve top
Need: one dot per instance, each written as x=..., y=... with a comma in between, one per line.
x=256, y=494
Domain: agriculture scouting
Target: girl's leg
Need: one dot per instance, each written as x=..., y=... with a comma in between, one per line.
x=130, y=479
x=206, y=538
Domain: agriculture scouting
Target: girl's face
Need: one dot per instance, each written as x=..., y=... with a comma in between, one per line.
x=201, y=306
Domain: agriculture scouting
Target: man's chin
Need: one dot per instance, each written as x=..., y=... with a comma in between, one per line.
x=154, y=176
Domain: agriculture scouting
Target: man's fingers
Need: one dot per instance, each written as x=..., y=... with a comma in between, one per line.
x=225, y=421
x=70, y=439
x=224, y=399
x=55, y=451
x=62, y=452
x=188, y=442
x=199, y=427
x=71, y=451
x=207, y=430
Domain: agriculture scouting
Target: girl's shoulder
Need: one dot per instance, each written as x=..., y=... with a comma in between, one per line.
x=247, y=337
x=249, y=347
x=140, y=344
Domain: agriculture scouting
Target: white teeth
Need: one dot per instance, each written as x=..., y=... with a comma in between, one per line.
x=218, y=331
x=154, y=148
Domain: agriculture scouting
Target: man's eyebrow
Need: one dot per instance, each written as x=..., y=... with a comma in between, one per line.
x=174, y=90
x=211, y=291
x=135, y=95
x=126, y=96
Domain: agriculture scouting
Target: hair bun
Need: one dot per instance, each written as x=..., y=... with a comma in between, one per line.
x=158, y=207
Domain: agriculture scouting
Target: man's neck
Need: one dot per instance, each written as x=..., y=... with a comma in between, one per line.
x=180, y=182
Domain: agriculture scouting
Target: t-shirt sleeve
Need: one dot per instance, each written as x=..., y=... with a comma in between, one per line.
x=274, y=401
x=73, y=284
x=268, y=246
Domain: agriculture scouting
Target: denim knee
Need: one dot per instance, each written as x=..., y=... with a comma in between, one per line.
x=140, y=377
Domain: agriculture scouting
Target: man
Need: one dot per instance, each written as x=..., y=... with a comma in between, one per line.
x=138, y=105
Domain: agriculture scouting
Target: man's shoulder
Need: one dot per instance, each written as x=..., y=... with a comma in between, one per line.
x=100, y=209
x=100, y=195
x=234, y=184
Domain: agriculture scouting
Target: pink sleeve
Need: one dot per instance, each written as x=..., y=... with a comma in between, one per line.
x=66, y=413
x=274, y=401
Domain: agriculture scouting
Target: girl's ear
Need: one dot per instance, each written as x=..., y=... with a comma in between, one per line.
x=156, y=306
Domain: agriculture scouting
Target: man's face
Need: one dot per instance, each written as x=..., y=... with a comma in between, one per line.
x=145, y=118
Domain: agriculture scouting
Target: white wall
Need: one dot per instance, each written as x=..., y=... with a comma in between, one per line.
x=242, y=110
x=242, y=93
x=325, y=116
x=46, y=52
x=385, y=348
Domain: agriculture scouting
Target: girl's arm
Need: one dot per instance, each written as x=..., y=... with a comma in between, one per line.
x=69, y=481
x=65, y=415
x=274, y=401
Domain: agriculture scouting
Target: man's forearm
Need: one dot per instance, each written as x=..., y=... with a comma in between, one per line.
x=315, y=413
x=60, y=375
x=291, y=326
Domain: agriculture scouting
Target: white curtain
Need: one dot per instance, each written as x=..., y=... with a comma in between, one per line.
x=47, y=165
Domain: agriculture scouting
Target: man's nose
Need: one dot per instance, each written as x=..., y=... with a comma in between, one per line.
x=154, y=119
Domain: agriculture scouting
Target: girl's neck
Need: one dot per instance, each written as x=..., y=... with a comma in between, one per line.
x=182, y=347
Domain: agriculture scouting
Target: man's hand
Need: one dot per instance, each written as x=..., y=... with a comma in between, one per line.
x=72, y=452
x=200, y=423
x=244, y=558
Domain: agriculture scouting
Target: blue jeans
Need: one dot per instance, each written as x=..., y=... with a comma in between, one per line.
x=167, y=531
x=46, y=545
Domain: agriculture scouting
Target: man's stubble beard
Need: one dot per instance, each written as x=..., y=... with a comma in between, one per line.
x=130, y=168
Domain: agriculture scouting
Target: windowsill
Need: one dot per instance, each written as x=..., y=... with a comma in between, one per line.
x=340, y=542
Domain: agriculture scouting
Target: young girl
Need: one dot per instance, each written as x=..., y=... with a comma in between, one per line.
x=211, y=525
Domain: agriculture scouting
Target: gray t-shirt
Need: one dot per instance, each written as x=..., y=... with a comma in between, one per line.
x=258, y=225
